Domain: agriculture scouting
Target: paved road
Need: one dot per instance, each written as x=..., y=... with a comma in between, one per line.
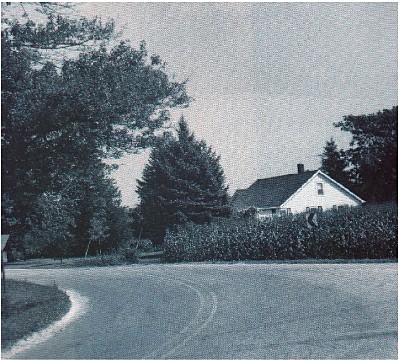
x=226, y=311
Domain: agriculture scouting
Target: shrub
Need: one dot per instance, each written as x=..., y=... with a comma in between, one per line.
x=352, y=233
x=130, y=254
x=120, y=257
x=141, y=244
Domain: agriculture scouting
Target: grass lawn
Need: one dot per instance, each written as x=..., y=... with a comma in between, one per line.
x=27, y=308
x=106, y=260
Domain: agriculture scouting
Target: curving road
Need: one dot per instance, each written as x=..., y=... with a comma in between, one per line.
x=226, y=311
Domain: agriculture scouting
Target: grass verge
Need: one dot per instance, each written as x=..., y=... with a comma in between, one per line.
x=28, y=308
x=115, y=259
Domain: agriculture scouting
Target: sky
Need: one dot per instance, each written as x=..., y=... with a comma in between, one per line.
x=268, y=79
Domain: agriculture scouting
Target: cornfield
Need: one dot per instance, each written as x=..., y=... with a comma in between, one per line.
x=368, y=232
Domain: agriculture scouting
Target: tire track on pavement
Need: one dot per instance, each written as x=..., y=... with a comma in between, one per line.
x=208, y=305
x=197, y=330
x=206, y=310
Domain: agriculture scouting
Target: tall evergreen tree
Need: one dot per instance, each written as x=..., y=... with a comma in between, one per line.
x=334, y=162
x=183, y=181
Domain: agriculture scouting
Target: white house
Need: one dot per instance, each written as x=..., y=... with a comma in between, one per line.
x=305, y=191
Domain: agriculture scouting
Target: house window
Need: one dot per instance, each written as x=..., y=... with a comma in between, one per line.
x=320, y=209
x=320, y=188
x=263, y=214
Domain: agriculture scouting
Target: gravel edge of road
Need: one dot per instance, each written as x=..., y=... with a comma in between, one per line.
x=77, y=306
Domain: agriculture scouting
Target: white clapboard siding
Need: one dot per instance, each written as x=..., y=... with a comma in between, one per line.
x=307, y=195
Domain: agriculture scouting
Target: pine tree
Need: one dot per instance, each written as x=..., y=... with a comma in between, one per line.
x=183, y=181
x=334, y=162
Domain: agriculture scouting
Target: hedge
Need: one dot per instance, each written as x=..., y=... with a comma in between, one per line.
x=352, y=233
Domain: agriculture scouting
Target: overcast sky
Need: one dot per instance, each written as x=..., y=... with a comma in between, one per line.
x=268, y=79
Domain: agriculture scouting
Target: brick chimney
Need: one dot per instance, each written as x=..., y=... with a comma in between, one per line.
x=300, y=168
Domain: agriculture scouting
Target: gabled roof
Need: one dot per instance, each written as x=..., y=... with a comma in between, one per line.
x=270, y=192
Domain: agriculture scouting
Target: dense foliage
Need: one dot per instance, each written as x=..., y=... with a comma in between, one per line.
x=62, y=116
x=182, y=182
x=352, y=233
x=370, y=166
x=334, y=163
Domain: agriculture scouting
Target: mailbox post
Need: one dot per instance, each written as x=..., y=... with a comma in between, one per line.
x=4, y=239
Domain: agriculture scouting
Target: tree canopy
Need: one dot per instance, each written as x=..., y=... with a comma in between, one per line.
x=61, y=117
x=372, y=160
x=182, y=182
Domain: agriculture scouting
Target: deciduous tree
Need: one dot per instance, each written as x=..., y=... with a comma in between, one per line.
x=372, y=156
x=61, y=117
x=52, y=224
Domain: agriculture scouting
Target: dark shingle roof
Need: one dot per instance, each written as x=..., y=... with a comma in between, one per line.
x=270, y=192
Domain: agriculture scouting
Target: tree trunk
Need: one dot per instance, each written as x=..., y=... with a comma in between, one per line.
x=101, y=254
x=87, y=248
